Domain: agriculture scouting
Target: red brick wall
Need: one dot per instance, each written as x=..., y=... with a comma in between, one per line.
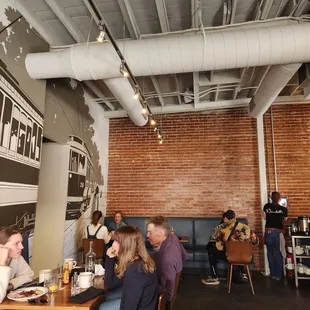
x=208, y=163
x=291, y=125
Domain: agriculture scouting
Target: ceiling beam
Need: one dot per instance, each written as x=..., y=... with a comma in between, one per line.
x=196, y=13
x=92, y=12
x=129, y=18
x=156, y=86
x=234, y=4
x=210, y=105
x=266, y=7
x=99, y=93
x=66, y=19
x=178, y=88
x=196, y=88
x=162, y=14
x=300, y=8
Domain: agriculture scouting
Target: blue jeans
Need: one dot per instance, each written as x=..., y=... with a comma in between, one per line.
x=272, y=240
x=113, y=299
x=110, y=305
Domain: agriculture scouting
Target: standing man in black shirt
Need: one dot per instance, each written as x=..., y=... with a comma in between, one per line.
x=274, y=214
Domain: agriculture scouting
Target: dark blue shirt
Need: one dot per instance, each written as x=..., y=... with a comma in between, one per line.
x=275, y=215
x=140, y=289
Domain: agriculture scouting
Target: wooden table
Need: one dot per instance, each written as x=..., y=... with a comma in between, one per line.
x=59, y=300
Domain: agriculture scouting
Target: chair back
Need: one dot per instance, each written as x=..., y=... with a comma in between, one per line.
x=238, y=252
x=98, y=247
x=176, y=285
x=162, y=300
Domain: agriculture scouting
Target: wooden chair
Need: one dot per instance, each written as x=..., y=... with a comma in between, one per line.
x=174, y=296
x=238, y=253
x=162, y=300
x=98, y=247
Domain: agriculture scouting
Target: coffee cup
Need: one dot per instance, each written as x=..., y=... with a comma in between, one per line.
x=43, y=274
x=71, y=262
x=85, y=279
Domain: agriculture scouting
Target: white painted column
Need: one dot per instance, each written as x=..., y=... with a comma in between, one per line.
x=262, y=177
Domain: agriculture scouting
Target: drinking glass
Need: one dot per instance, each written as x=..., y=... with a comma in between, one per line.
x=52, y=282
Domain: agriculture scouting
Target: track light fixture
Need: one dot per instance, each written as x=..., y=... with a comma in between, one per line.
x=137, y=92
x=101, y=34
x=123, y=70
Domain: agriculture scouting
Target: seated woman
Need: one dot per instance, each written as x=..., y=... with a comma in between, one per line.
x=135, y=271
x=117, y=222
x=95, y=230
x=14, y=271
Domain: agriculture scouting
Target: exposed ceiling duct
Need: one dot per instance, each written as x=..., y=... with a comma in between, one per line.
x=187, y=53
x=122, y=90
x=178, y=54
x=273, y=83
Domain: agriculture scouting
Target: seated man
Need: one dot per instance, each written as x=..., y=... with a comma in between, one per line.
x=168, y=253
x=232, y=230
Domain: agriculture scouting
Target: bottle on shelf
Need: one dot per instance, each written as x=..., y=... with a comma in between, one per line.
x=66, y=274
x=90, y=259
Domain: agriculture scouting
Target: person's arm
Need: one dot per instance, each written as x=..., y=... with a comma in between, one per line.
x=264, y=213
x=105, y=235
x=23, y=274
x=132, y=290
x=5, y=272
x=285, y=213
x=166, y=278
x=110, y=279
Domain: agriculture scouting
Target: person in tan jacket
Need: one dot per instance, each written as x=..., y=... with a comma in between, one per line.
x=14, y=271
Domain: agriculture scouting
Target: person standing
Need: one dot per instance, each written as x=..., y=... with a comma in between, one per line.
x=274, y=214
x=96, y=230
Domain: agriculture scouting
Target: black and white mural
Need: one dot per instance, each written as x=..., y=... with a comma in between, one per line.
x=72, y=118
x=21, y=124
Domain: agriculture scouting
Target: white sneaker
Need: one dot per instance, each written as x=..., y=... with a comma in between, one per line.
x=210, y=281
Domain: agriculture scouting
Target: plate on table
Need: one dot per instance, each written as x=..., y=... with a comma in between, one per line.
x=27, y=293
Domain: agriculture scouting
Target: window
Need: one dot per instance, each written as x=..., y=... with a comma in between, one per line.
x=6, y=123
x=74, y=161
x=39, y=143
x=34, y=141
x=28, y=138
x=22, y=134
x=82, y=164
x=14, y=129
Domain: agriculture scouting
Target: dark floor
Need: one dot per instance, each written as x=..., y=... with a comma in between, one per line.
x=269, y=294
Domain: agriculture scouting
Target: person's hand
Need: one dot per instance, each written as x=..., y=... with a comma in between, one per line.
x=111, y=252
x=4, y=255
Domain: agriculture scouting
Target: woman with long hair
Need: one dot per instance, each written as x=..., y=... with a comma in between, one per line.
x=14, y=271
x=135, y=272
x=96, y=230
x=274, y=214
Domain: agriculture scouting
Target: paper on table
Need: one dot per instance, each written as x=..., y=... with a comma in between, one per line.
x=99, y=270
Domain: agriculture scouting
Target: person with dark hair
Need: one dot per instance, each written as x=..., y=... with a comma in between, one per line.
x=230, y=230
x=14, y=271
x=274, y=214
x=168, y=252
x=117, y=223
x=96, y=230
x=134, y=271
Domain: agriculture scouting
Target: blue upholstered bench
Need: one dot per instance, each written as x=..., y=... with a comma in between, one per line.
x=198, y=231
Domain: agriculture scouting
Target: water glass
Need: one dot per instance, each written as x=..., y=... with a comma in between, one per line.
x=51, y=282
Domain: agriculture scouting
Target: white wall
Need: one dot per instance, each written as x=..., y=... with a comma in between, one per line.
x=51, y=207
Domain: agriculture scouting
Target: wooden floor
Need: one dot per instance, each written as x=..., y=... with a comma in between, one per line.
x=270, y=294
